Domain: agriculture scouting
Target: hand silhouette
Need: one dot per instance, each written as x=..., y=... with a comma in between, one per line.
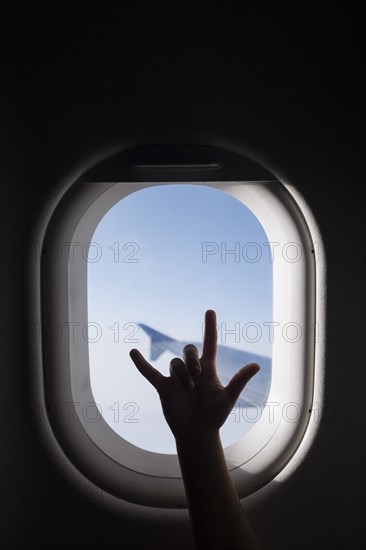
x=193, y=399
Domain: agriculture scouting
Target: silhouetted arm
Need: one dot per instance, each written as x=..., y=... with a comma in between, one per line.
x=195, y=405
x=217, y=518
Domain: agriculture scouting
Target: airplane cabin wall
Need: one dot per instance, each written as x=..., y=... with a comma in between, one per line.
x=283, y=85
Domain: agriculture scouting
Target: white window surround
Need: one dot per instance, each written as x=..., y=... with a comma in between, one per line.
x=109, y=460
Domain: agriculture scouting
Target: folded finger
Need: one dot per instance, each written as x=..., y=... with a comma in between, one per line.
x=191, y=359
x=179, y=370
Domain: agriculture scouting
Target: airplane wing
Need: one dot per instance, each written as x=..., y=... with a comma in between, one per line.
x=161, y=342
x=229, y=361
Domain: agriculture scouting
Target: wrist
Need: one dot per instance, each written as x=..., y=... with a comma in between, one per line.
x=201, y=438
x=204, y=469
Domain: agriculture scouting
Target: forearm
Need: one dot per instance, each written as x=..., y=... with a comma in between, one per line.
x=217, y=518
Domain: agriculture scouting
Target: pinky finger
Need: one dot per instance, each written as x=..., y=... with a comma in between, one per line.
x=152, y=375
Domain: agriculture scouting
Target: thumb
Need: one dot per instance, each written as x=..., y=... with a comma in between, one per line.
x=240, y=380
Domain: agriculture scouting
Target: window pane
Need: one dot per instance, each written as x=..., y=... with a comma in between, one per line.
x=158, y=260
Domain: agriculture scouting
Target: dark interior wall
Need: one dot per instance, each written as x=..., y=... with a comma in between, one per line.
x=284, y=83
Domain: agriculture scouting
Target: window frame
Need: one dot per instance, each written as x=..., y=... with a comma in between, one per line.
x=127, y=471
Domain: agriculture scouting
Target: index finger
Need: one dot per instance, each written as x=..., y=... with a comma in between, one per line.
x=210, y=337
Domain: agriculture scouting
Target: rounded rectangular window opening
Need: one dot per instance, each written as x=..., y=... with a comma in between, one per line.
x=140, y=262
x=157, y=260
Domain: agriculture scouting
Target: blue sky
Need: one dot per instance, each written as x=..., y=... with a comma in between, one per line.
x=151, y=269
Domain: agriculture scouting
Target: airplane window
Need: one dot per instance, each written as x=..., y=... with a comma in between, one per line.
x=134, y=263
x=157, y=260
